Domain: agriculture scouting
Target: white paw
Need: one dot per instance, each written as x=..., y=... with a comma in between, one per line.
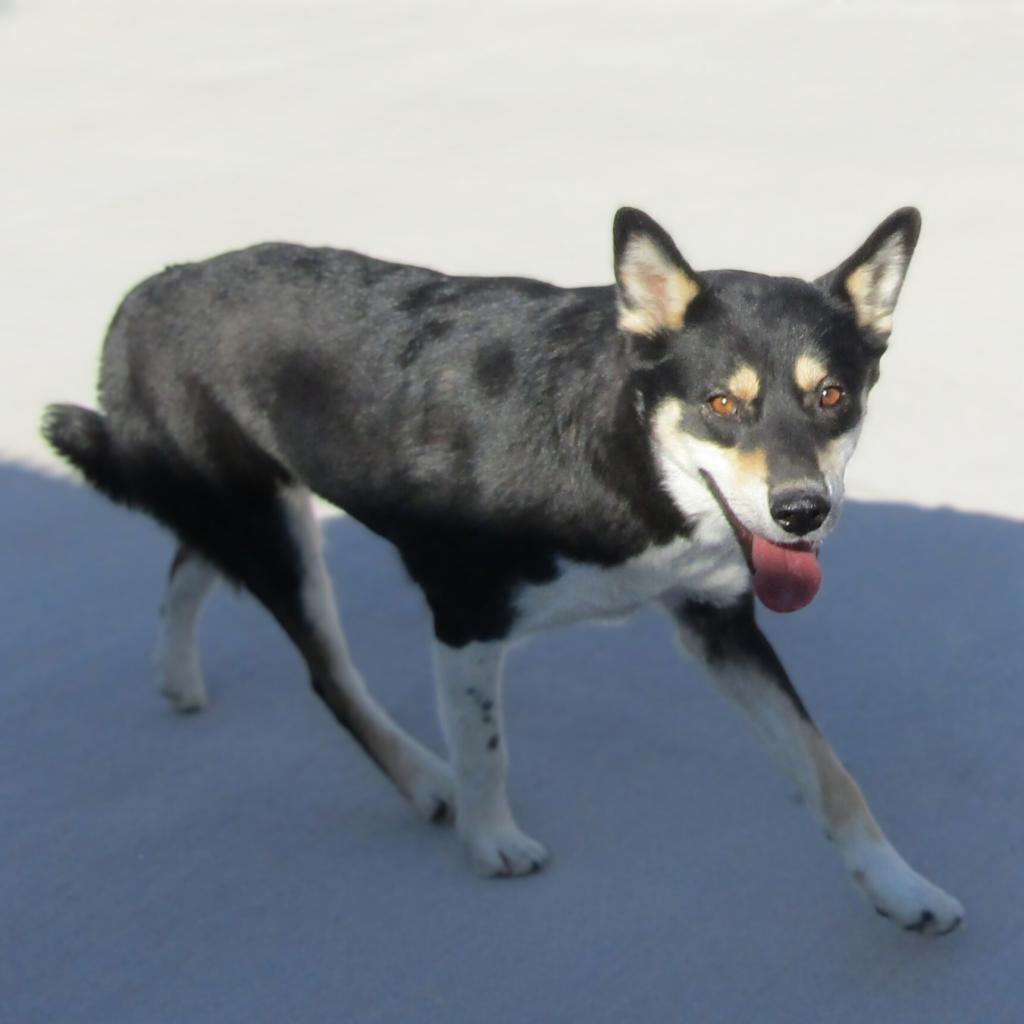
x=179, y=673
x=430, y=788
x=505, y=852
x=181, y=682
x=900, y=893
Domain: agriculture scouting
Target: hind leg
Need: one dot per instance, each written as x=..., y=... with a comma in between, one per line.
x=422, y=777
x=177, y=654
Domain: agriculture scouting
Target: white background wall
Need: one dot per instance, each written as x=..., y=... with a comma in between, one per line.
x=482, y=138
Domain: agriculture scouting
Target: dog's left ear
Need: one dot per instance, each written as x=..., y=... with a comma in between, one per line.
x=871, y=279
x=655, y=284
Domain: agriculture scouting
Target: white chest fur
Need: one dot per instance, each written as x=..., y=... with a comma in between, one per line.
x=707, y=565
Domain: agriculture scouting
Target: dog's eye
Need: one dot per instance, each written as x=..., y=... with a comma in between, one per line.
x=723, y=405
x=830, y=396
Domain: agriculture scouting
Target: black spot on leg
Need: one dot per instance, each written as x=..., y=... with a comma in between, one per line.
x=492, y=743
x=485, y=705
x=926, y=918
x=440, y=813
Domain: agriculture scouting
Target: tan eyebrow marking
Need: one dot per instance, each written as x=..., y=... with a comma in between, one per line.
x=745, y=383
x=809, y=372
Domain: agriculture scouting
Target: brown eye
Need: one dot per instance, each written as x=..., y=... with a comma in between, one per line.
x=723, y=405
x=830, y=397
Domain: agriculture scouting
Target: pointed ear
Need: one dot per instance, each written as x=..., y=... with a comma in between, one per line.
x=871, y=279
x=655, y=284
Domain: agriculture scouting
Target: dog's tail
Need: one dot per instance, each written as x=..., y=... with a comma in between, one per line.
x=81, y=436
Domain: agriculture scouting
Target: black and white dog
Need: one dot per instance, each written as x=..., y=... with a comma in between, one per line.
x=538, y=456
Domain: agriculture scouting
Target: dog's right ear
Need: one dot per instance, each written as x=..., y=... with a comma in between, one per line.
x=655, y=284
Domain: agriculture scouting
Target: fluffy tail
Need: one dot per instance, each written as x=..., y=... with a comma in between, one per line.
x=81, y=436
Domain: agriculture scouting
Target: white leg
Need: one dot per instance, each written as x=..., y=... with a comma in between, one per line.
x=421, y=776
x=469, y=693
x=177, y=654
x=746, y=669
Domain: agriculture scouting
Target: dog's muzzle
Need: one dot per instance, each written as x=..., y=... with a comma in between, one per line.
x=787, y=577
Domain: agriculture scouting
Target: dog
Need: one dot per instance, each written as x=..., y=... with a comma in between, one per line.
x=538, y=456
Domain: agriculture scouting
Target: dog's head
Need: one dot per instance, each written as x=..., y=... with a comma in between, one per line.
x=755, y=387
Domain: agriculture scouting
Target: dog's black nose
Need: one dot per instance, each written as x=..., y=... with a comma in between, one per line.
x=799, y=511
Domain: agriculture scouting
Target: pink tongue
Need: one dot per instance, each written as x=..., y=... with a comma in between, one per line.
x=785, y=579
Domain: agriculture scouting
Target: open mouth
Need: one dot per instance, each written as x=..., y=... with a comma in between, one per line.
x=787, y=577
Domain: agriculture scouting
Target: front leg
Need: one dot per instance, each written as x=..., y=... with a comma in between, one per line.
x=469, y=694
x=745, y=667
